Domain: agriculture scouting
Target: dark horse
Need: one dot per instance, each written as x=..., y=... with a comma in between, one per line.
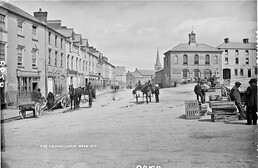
x=75, y=96
x=146, y=89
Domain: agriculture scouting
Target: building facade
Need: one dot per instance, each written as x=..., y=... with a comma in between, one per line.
x=238, y=59
x=120, y=76
x=23, y=50
x=191, y=61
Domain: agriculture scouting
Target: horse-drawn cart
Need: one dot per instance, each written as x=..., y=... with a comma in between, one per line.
x=28, y=102
x=146, y=89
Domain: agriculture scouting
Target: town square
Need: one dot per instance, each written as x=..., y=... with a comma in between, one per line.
x=128, y=84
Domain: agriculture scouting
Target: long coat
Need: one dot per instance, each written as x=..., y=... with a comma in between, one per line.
x=235, y=95
x=251, y=96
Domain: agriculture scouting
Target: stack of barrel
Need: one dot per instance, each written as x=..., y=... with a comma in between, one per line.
x=223, y=111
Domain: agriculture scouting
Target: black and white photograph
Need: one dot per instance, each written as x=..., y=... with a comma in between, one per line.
x=128, y=83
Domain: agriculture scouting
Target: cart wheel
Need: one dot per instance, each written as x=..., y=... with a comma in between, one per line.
x=63, y=102
x=37, y=110
x=22, y=114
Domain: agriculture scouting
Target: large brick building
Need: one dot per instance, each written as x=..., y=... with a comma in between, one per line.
x=189, y=61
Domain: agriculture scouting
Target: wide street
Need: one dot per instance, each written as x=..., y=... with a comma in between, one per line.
x=118, y=133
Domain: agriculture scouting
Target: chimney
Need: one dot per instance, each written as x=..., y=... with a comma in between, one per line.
x=55, y=24
x=245, y=40
x=41, y=15
x=226, y=40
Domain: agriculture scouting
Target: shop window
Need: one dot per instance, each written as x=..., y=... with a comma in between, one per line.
x=185, y=73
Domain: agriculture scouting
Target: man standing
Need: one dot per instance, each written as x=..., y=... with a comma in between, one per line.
x=235, y=96
x=156, y=91
x=251, y=102
x=197, y=91
x=89, y=87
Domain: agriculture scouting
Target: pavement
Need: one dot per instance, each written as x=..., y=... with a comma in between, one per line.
x=12, y=112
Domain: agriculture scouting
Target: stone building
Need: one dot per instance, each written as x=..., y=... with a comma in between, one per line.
x=23, y=49
x=190, y=61
x=238, y=59
x=120, y=76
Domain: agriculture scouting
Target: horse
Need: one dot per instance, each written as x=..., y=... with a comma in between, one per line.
x=146, y=89
x=75, y=96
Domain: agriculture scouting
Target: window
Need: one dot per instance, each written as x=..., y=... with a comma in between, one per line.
x=34, y=57
x=246, y=52
x=236, y=51
x=255, y=71
x=246, y=61
x=216, y=60
x=49, y=56
x=20, y=31
x=61, y=63
x=68, y=57
x=56, y=41
x=49, y=38
x=241, y=72
x=2, y=51
x=34, y=32
x=196, y=59
x=237, y=61
x=176, y=59
x=76, y=64
x=207, y=59
x=83, y=66
x=2, y=22
x=236, y=72
x=185, y=73
x=61, y=43
x=226, y=52
x=70, y=47
x=20, y=55
x=226, y=61
x=80, y=64
x=185, y=60
x=56, y=58
x=86, y=65
x=72, y=63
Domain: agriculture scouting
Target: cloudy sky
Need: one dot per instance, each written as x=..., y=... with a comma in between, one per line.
x=129, y=32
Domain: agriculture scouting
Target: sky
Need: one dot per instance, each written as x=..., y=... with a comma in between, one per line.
x=129, y=33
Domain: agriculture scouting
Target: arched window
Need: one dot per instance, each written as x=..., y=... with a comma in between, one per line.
x=216, y=60
x=207, y=59
x=196, y=59
x=185, y=60
x=176, y=59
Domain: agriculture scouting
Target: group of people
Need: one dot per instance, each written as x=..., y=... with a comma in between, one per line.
x=249, y=97
x=250, y=101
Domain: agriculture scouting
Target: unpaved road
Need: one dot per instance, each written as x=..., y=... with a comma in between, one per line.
x=122, y=134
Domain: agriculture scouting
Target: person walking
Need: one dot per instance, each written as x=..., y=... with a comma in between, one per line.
x=251, y=102
x=197, y=91
x=90, y=90
x=156, y=91
x=235, y=96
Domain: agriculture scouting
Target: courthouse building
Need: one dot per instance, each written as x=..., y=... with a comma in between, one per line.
x=190, y=61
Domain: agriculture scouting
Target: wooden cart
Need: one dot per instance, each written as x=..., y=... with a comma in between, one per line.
x=27, y=102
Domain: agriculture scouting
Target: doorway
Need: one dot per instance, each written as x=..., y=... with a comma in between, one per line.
x=226, y=74
x=249, y=73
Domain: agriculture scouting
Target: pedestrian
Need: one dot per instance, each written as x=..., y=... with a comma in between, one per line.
x=156, y=91
x=50, y=100
x=90, y=89
x=213, y=81
x=197, y=91
x=251, y=102
x=38, y=96
x=235, y=96
x=204, y=88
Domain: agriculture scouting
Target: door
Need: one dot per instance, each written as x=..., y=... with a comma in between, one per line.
x=50, y=85
x=226, y=74
x=249, y=73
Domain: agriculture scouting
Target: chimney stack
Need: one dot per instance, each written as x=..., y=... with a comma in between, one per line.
x=226, y=40
x=245, y=40
x=41, y=15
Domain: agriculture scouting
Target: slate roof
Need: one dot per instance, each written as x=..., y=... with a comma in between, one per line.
x=120, y=70
x=85, y=42
x=135, y=74
x=146, y=72
x=237, y=45
x=20, y=12
x=194, y=48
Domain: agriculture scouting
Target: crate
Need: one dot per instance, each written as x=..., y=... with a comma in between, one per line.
x=223, y=118
x=192, y=109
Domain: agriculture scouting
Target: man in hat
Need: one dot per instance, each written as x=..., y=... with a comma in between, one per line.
x=156, y=91
x=251, y=102
x=197, y=91
x=235, y=96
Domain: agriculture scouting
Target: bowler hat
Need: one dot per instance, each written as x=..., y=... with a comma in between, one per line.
x=238, y=83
